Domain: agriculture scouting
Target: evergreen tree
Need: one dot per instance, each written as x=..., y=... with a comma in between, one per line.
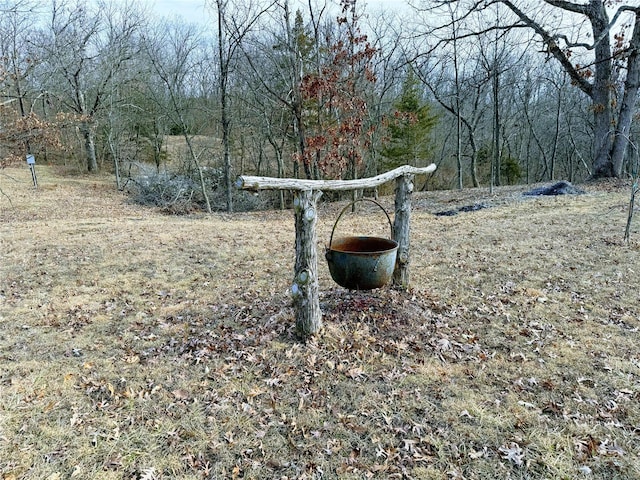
x=408, y=130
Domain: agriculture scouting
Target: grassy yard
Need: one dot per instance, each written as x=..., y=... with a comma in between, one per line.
x=135, y=345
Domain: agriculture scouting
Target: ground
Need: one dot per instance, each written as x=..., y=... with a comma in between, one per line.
x=136, y=345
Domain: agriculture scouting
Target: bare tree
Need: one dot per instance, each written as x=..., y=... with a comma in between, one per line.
x=16, y=62
x=455, y=72
x=234, y=21
x=25, y=126
x=278, y=62
x=174, y=53
x=86, y=46
x=607, y=55
x=389, y=69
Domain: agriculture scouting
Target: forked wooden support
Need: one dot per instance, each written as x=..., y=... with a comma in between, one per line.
x=402, y=229
x=305, y=290
x=305, y=281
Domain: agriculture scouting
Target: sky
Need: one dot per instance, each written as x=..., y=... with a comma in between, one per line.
x=194, y=10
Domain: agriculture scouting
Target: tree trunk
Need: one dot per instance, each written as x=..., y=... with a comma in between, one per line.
x=279, y=164
x=456, y=72
x=224, y=114
x=301, y=143
x=89, y=146
x=471, y=126
x=459, y=147
x=495, y=162
x=115, y=156
x=600, y=90
x=625, y=117
x=226, y=147
x=402, y=230
x=556, y=136
x=194, y=157
x=601, y=93
x=602, y=167
x=305, y=284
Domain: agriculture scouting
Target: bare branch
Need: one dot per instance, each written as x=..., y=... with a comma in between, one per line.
x=589, y=12
x=552, y=47
x=570, y=6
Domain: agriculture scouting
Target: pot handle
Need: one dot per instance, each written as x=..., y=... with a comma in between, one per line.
x=350, y=205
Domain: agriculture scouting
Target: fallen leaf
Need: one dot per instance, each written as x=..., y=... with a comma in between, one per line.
x=475, y=454
x=272, y=382
x=513, y=453
x=148, y=474
x=585, y=470
x=605, y=448
x=180, y=394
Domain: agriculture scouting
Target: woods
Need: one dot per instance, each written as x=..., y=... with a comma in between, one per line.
x=494, y=92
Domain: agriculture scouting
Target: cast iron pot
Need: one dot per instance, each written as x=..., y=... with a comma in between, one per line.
x=360, y=262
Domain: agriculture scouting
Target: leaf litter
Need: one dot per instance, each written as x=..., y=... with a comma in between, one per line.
x=140, y=346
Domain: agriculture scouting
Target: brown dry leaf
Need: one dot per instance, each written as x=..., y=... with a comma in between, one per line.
x=533, y=292
x=181, y=394
x=609, y=448
x=355, y=373
x=255, y=392
x=586, y=447
x=236, y=472
x=132, y=359
x=476, y=454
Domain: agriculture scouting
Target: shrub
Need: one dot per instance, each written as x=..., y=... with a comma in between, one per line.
x=181, y=194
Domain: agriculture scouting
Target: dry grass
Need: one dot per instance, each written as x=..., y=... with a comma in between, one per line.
x=140, y=346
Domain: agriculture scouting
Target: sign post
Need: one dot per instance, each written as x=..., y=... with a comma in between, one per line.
x=31, y=161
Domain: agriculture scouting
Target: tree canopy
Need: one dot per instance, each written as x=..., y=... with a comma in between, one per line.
x=320, y=90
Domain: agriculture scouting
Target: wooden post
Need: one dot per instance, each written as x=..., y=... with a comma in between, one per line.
x=402, y=230
x=305, y=282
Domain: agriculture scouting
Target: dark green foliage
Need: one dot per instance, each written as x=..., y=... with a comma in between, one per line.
x=408, y=140
x=510, y=169
x=304, y=39
x=177, y=130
